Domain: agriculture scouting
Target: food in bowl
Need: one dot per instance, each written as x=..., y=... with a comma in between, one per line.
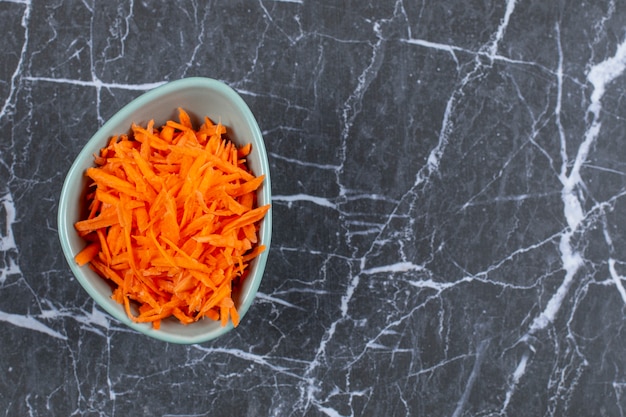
x=172, y=221
x=199, y=97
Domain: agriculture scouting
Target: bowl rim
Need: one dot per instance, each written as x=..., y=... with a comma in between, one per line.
x=99, y=138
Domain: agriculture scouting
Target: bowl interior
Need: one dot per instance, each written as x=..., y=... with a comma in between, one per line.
x=199, y=97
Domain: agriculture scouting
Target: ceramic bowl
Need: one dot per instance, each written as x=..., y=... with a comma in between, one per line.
x=199, y=97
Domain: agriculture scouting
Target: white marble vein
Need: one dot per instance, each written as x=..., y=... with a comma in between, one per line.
x=7, y=240
x=8, y=247
x=9, y=105
x=600, y=76
x=492, y=47
x=31, y=323
x=96, y=83
x=290, y=199
x=617, y=279
x=475, y=374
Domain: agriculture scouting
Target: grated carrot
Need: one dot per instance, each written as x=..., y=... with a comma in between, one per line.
x=172, y=222
x=88, y=253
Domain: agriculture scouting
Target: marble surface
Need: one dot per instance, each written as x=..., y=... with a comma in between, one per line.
x=449, y=185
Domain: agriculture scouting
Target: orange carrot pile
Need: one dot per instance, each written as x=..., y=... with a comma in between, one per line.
x=172, y=221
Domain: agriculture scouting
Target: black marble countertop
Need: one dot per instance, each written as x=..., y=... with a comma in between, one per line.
x=449, y=197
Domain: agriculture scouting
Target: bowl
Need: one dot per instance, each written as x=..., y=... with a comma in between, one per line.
x=199, y=97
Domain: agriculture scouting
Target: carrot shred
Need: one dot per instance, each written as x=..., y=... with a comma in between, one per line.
x=88, y=253
x=172, y=221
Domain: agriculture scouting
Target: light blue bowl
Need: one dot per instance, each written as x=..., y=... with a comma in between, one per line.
x=200, y=97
